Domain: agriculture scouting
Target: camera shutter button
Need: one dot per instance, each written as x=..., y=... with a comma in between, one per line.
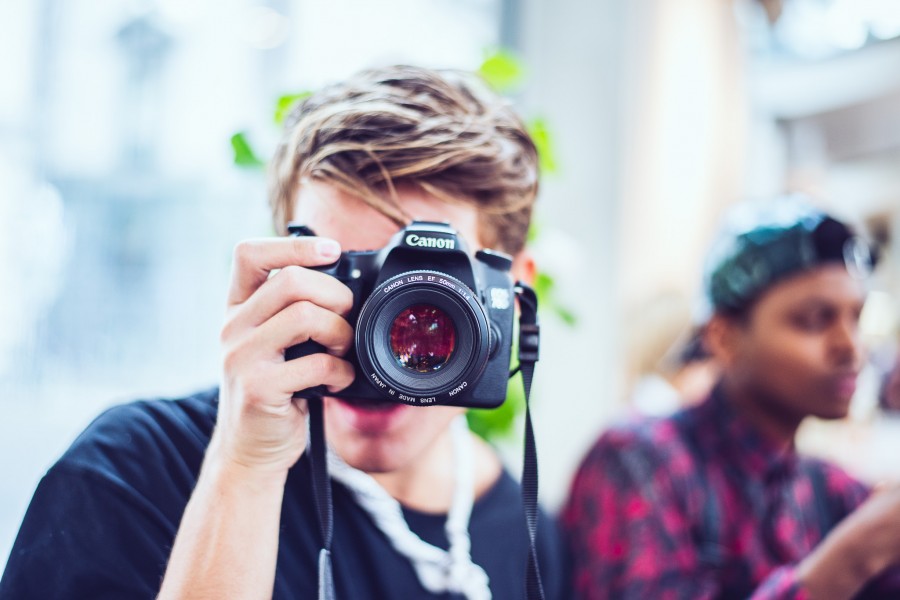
x=494, y=259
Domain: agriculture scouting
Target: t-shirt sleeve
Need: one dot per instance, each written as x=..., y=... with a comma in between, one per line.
x=86, y=536
x=103, y=519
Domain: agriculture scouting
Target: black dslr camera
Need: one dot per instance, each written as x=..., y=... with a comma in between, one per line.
x=432, y=325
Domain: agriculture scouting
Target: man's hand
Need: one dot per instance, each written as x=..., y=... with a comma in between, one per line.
x=261, y=431
x=876, y=524
x=859, y=549
x=260, y=426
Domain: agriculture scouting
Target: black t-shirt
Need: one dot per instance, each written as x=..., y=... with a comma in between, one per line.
x=103, y=520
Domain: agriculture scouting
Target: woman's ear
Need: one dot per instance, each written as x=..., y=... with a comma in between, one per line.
x=524, y=268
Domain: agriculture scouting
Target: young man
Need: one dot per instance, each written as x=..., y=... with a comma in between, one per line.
x=210, y=496
x=713, y=502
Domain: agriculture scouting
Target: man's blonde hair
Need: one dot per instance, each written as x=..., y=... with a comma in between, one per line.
x=443, y=131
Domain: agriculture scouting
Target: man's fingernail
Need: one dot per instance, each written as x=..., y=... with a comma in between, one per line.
x=329, y=249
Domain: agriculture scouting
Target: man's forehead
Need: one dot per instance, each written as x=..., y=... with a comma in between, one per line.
x=827, y=284
x=332, y=212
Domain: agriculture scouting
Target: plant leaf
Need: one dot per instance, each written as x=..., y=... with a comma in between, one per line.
x=502, y=71
x=243, y=152
x=544, y=287
x=567, y=316
x=496, y=423
x=543, y=140
x=534, y=230
x=286, y=103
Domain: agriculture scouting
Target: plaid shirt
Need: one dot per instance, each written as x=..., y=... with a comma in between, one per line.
x=699, y=505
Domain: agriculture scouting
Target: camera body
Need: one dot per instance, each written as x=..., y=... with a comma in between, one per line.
x=432, y=324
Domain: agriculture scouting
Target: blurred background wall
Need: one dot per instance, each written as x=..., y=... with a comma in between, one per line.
x=120, y=203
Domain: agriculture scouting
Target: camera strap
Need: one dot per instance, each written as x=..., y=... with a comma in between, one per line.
x=529, y=345
x=322, y=494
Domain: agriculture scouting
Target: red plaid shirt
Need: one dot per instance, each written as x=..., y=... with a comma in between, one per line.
x=699, y=505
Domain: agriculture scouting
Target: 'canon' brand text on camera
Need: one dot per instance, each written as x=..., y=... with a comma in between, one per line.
x=430, y=242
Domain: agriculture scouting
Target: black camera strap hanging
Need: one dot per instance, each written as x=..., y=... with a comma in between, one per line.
x=322, y=493
x=529, y=343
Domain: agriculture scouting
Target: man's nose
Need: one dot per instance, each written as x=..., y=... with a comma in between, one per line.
x=845, y=343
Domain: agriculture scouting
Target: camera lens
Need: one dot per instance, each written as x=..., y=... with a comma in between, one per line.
x=422, y=338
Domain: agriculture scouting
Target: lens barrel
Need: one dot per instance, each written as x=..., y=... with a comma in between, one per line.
x=421, y=335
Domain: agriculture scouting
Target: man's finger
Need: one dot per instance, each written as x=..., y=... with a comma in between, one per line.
x=303, y=321
x=289, y=285
x=315, y=369
x=254, y=259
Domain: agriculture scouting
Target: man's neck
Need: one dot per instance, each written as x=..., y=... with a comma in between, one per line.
x=778, y=426
x=427, y=483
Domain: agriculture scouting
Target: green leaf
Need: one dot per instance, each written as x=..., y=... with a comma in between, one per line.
x=543, y=140
x=496, y=423
x=567, y=316
x=286, y=103
x=243, y=152
x=502, y=71
x=543, y=286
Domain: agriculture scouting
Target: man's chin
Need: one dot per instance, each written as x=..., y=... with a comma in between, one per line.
x=374, y=455
x=373, y=465
x=835, y=410
x=834, y=415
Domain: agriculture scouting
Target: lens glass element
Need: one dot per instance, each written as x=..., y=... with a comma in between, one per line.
x=422, y=338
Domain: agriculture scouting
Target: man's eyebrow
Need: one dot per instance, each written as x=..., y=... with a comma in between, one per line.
x=817, y=301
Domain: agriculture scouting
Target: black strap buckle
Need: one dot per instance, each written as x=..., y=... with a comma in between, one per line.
x=529, y=342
